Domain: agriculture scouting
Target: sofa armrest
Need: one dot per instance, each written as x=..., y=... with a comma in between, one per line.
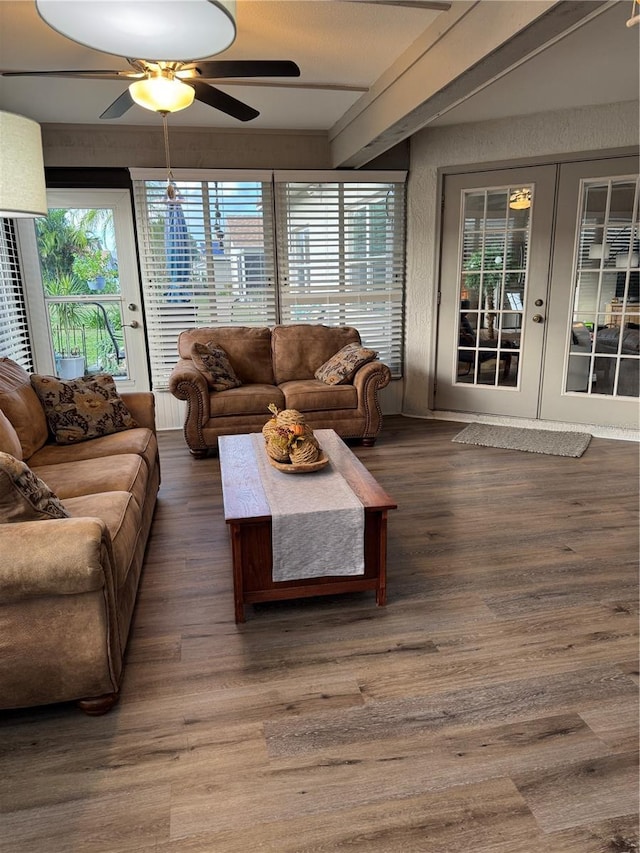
x=368, y=380
x=373, y=375
x=142, y=405
x=62, y=556
x=188, y=383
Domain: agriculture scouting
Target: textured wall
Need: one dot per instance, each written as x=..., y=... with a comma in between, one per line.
x=197, y=148
x=531, y=139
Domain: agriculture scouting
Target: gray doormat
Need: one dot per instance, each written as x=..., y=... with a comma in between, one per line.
x=551, y=442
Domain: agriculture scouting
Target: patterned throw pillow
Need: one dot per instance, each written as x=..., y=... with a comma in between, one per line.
x=342, y=366
x=23, y=495
x=213, y=361
x=80, y=409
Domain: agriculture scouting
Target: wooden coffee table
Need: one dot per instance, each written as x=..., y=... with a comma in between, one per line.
x=246, y=511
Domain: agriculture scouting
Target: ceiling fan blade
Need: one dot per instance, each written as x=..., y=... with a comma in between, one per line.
x=119, y=106
x=217, y=69
x=89, y=75
x=223, y=102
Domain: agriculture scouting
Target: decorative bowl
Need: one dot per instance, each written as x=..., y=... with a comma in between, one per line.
x=301, y=468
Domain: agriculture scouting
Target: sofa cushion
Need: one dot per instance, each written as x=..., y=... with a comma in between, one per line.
x=311, y=395
x=248, y=349
x=299, y=350
x=123, y=518
x=213, y=362
x=23, y=495
x=80, y=409
x=246, y=400
x=21, y=405
x=125, y=472
x=9, y=441
x=138, y=440
x=342, y=366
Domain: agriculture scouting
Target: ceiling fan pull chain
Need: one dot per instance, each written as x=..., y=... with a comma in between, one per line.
x=171, y=187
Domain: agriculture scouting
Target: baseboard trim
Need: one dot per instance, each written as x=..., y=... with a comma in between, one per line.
x=597, y=430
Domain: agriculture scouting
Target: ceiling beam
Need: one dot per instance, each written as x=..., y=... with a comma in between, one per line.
x=464, y=51
x=431, y=5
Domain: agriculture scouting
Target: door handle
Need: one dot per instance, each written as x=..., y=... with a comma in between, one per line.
x=538, y=318
x=132, y=325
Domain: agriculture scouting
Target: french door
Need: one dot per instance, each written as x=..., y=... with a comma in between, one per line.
x=86, y=292
x=539, y=303
x=497, y=230
x=592, y=364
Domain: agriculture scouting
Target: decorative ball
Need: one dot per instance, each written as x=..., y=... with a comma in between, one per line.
x=289, y=418
x=304, y=452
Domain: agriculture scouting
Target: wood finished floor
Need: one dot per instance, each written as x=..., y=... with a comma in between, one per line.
x=491, y=707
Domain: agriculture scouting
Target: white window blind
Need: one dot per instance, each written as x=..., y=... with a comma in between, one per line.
x=207, y=259
x=14, y=332
x=341, y=257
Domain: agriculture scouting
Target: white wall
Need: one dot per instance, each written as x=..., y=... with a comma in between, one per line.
x=526, y=139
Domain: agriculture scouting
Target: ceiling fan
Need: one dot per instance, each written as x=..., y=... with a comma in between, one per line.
x=173, y=30
x=169, y=86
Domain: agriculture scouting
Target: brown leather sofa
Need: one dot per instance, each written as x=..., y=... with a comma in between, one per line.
x=276, y=365
x=68, y=585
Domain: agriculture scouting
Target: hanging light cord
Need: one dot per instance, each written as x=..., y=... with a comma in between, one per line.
x=171, y=189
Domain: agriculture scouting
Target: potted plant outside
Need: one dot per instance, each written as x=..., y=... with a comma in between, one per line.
x=93, y=268
x=67, y=319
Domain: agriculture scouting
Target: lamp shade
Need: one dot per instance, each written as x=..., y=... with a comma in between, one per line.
x=162, y=94
x=22, y=185
x=147, y=29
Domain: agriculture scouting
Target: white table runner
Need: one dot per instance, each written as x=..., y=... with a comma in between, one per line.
x=317, y=521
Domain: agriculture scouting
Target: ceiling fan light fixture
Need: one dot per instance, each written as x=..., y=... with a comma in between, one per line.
x=166, y=29
x=162, y=94
x=520, y=199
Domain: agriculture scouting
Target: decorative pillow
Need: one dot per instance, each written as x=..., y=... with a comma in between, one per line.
x=213, y=361
x=80, y=409
x=342, y=366
x=23, y=495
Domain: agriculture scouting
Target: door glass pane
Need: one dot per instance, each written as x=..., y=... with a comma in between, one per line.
x=493, y=270
x=79, y=265
x=603, y=354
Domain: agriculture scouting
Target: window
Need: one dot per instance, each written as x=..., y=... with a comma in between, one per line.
x=207, y=259
x=493, y=270
x=209, y=256
x=603, y=355
x=341, y=257
x=14, y=333
x=81, y=283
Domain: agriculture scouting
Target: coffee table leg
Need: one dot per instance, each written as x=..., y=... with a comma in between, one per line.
x=238, y=590
x=381, y=589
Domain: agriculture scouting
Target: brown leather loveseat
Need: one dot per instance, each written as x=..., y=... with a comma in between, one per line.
x=276, y=365
x=69, y=573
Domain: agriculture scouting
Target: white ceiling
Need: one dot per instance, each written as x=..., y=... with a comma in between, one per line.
x=598, y=63
x=334, y=42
